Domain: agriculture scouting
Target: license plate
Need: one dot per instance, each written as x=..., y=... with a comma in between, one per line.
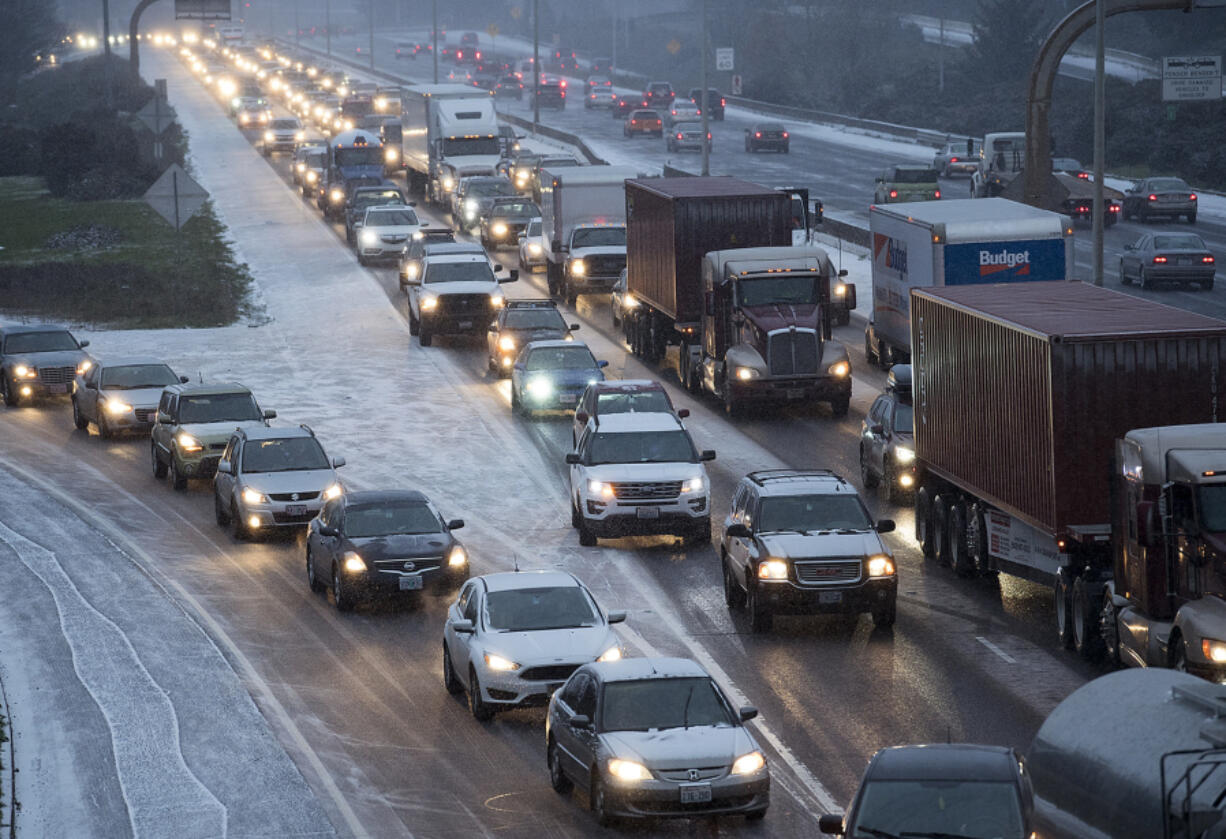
x=412, y=583
x=796, y=393
x=295, y=510
x=648, y=512
x=466, y=324
x=695, y=793
x=57, y=388
x=830, y=597
x=568, y=398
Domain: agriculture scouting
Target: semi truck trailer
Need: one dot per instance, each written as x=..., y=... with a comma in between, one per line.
x=450, y=131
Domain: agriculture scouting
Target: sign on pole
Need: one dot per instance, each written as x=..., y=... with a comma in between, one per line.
x=493, y=30
x=157, y=115
x=175, y=196
x=736, y=85
x=1191, y=77
x=202, y=9
x=723, y=58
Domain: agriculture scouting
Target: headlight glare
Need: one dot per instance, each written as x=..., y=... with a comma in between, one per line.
x=748, y=764
x=613, y=653
x=840, y=290
x=534, y=248
x=496, y=662
x=540, y=388
x=448, y=183
x=333, y=491
x=188, y=443
x=747, y=373
x=600, y=488
x=497, y=300
x=696, y=484
x=389, y=155
x=429, y=304
x=457, y=557
x=269, y=137
x=839, y=369
x=578, y=267
x=24, y=372
x=354, y=563
x=250, y=496
x=772, y=569
x=628, y=770
x=312, y=176
x=337, y=196
x=880, y=566
x=499, y=229
x=506, y=343
x=903, y=454
x=369, y=237
x=114, y=406
x=84, y=367
x=1214, y=651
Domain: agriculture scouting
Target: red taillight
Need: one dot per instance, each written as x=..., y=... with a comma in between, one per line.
x=953, y=160
x=785, y=135
x=708, y=135
x=593, y=95
x=893, y=193
x=1153, y=197
x=721, y=103
x=757, y=134
x=1208, y=260
x=634, y=122
x=458, y=53
x=679, y=137
x=1085, y=176
x=564, y=94
x=938, y=195
x=1192, y=197
x=564, y=83
x=1115, y=208
x=1159, y=260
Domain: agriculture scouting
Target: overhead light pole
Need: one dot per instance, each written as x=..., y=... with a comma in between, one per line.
x=434, y=37
x=1100, y=136
x=536, y=66
x=328, y=26
x=706, y=123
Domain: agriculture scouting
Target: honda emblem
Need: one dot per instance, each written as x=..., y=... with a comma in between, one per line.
x=694, y=775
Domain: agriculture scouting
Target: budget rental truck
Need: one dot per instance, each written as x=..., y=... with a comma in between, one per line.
x=932, y=244
x=449, y=131
x=1071, y=435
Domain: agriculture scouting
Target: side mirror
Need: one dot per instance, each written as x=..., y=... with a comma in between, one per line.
x=582, y=417
x=581, y=721
x=574, y=327
x=512, y=276
x=412, y=203
x=850, y=295
x=707, y=454
x=224, y=467
x=328, y=530
x=842, y=272
x=184, y=380
x=455, y=524
x=522, y=238
x=464, y=627
x=163, y=417
x=498, y=269
x=617, y=616
x=876, y=428
x=748, y=712
x=572, y=458
x=737, y=530
x=83, y=344
x=885, y=525
x=270, y=414
x=831, y=824
x=602, y=364
x=338, y=462
x=683, y=413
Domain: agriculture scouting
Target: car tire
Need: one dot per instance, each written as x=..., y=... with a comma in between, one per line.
x=587, y=538
x=451, y=681
x=79, y=421
x=755, y=815
x=424, y=335
x=10, y=393
x=104, y=428
x=867, y=478
x=414, y=323
x=1126, y=213
x=178, y=481
x=1124, y=278
x=599, y=802
x=340, y=597
x=959, y=553
x=159, y=468
x=1144, y=281
x=220, y=514
x=363, y=261
x=734, y=596
x=576, y=520
x=316, y=585
x=732, y=406
x=557, y=777
x=889, y=489
x=478, y=707
x=885, y=614
x=761, y=619
x=840, y=405
x=940, y=529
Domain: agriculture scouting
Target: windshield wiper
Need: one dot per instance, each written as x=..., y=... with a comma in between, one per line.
x=873, y=831
x=685, y=714
x=932, y=834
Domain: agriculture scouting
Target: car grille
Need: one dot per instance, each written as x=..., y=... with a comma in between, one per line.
x=549, y=673
x=422, y=563
x=704, y=773
x=792, y=353
x=827, y=572
x=464, y=304
x=394, y=239
x=286, y=518
x=145, y=414
x=56, y=375
x=664, y=491
x=290, y=496
x=607, y=265
x=217, y=446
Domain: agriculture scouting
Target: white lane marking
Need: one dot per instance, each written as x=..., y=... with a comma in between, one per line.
x=1008, y=658
x=163, y=796
x=269, y=703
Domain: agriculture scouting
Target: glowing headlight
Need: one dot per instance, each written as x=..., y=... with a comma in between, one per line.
x=839, y=369
x=300, y=166
x=23, y=372
x=369, y=237
x=333, y=491
x=747, y=373
x=628, y=771
x=188, y=443
x=748, y=764
x=389, y=155
x=227, y=87
x=429, y=303
x=880, y=566
x=578, y=267
x=497, y=300
x=696, y=484
x=337, y=196
x=772, y=569
x=250, y=496
x=381, y=103
x=354, y=563
x=506, y=343
x=904, y=455
x=540, y=388
x=497, y=662
x=312, y=176
x=114, y=406
x=1214, y=651
x=457, y=557
x=840, y=290
x=611, y=654
x=235, y=102
x=600, y=488
x=534, y=248
x=84, y=367
x=244, y=119
x=448, y=183
x=299, y=136
x=630, y=302
x=499, y=229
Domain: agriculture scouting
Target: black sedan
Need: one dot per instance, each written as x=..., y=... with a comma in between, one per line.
x=623, y=105
x=520, y=323
x=767, y=135
x=1168, y=258
x=1154, y=197
x=505, y=220
x=364, y=543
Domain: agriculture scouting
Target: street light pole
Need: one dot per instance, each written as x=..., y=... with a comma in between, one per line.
x=536, y=66
x=370, y=16
x=1100, y=135
x=106, y=46
x=434, y=35
x=328, y=26
x=706, y=124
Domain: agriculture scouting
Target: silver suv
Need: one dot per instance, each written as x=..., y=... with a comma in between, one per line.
x=802, y=542
x=273, y=477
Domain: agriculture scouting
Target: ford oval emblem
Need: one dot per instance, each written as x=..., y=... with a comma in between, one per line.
x=409, y=566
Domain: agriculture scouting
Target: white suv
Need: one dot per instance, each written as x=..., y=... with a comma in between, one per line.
x=456, y=294
x=633, y=474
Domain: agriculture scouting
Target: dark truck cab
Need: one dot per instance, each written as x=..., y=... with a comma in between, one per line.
x=355, y=158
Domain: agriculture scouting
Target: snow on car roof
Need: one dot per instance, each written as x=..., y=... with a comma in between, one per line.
x=635, y=669
x=637, y=422
x=510, y=580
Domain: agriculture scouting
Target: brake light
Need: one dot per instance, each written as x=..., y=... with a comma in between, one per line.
x=1115, y=208
x=679, y=137
x=593, y=95
x=757, y=134
x=893, y=193
x=1153, y=197
x=563, y=82
x=708, y=135
x=785, y=135
x=1159, y=260
x=938, y=195
x=634, y=122
x=721, y=103
x=1208, y=260
x=953, y=160
x=1192, y=197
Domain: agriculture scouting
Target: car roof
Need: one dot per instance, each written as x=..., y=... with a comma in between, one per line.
x=626, y=385
x=532, y=303
x=630, y=422
x=22, y=328
x=774, y=482
x=637, y=669
x=512, y=580
x=452, y=248
x=943, y=761
x=278, y=432
x=458, y=257
x=377, y=496
x=130, y=361
x=554, y=343
x=217, y=389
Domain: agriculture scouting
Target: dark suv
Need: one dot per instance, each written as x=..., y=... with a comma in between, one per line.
x=715, y=101
x=659, y=95
x=39, y=360
x=887, y=438
x=552, y=93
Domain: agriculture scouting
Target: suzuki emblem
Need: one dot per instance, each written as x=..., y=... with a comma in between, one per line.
x=409, y=566
x=294, y=497
x=694, y=775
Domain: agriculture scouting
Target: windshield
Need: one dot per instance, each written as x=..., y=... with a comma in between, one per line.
x=390, y=218
x=643, y=401
x=904, y=418
x=477, y=271
x=808, y=513
x=289, y=454
x=285, y=124
x=662, y=703
x=316, y=160
x=387, y=518
x=520, y=210
x=499, y=186
x=39, y=342
x=137, y=375
x=359, y=156
x=1211, y=500
x=599, y=237
x=221, y=407
x=392, y=132
x=529, y=609
x=1186, y=241
x=1065, y=164
x=915, y=176
x=778, y=289
x=459, y=146
x=1172, y=184
x=535, y=319
x=958, y=808
x=642, y=447
x=366, y=199
x=534, y=227
x=560, y=358
x=359, y=108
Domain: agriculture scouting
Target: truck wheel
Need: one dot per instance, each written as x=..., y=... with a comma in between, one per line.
x=414, y=324
x=977, y=539
x=1086, y=637
x=159, y=468
x=840, y=405
x=1062, y=592
x=424, y=335
x=734, y=597
x=884, y=615
x=1109, y=628
x=760, y=617
x=959, y=556
x=569, y=295
x=940, y=528
x=870, y=353
x=923, y=522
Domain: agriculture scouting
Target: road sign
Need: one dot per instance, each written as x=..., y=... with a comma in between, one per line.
x=516, y=12
x=175, y=196
x=723, y=58
x=1191, y=77
x=493, y=30
x=736, y=85
x=673, y=46
x=157, y=115
x=202, y=9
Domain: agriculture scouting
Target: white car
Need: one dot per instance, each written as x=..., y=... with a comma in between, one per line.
x=513, y=638
x=532, y=247
x=633, y=474
x=383, y=232
x=682, y=110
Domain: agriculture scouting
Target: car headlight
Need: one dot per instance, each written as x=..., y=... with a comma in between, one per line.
x=21, y=371
x=497, y=662
x=429, y=303
x=188, y=443
x=448, y=183
x=312, y=176
x=772, y=569
x=300, y=166
x=903, y=454
x=499, y=229
x=506, y=343
x=380, y=103
x=534, y=248
x=250, y=496
x=696, y=484
x=457, y=557
x=333, y=491
x=748, y=764
x=114, y=406
x=337, y=196
x=369, y=237
x=613, y=653
x=354, y=563
x=628, y=771
x=839, y=369
x=299, y=136
x=497, y=300
x=389, y=155
x=1214, y=651
x=84, y=367
x=880, y=566
x=269, y=137
x=540, y=388
x=840, y=290
x=630, y=301
x=578, y=267
x=747, y=373
x=600, y=488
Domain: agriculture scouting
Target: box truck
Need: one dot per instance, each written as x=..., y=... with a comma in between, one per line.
x=450, y=131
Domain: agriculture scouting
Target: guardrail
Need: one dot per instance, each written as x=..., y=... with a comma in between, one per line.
x=926, y=136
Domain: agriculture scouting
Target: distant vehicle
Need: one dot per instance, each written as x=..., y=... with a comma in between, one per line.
x=193, y=424
x=505, y=220
x=1153, y=197
x=1177, y=258
x=624, y=104
x=314, y=163
x=509, y=87
x=532, y=247
x=120, y=394
x=39, y=360
x=383, y=542
x=469, y=39
x=659, y=94
x=1002, y=157
x=687, y=135
x=887, y=438
x=767, y=135
x=620, y=301
x=301, y=154
x=283, y=134
x=486, y=80
x=940, y=789
x=623, y=396
x=552, y=93
x=509, y=139
x=455, y=294
x=600, y=97
x=643, y=123
x=427, y=240
x=906, y=182
x=602, y=64
x=1070, y=165
x=682, y=110
x=564, y=60
x=551, y=375
x=520, y=323
x=473, y=198
x=253, y=114
x=596, y=80
x=364, y=197
x=716, y=102
x=957, y=157
x=383, y=232
x=551, y=162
